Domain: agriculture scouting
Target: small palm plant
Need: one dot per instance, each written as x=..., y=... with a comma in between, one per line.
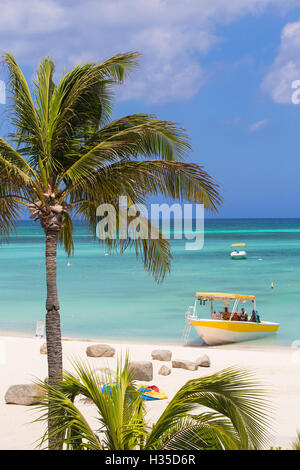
x=227, y=410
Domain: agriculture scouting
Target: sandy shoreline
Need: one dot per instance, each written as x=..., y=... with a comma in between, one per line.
x=21, y=360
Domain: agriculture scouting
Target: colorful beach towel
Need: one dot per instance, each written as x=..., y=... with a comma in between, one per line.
x=148, y=392
x=151, y=392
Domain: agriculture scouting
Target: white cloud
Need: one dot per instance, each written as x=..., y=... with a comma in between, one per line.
x=256, y=126
x=172, y=35
x=31, y=17
x=286, y=67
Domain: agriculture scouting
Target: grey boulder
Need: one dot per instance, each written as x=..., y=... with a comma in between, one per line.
x=142, y=370
x=184, y=364
x=161, y=355
x=203, y=361
x=24, y=394
x=100, y=350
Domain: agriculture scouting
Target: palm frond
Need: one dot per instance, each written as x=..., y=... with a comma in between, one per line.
x=66, y=234
x=154, y=252
x=14, y=158
x=207, y=431
x=9, y=212
x=82, y=101
x=176, y=180
x=69, y=427
x=149, y=137
x=145, y=239
x=43, y=89
x=23, y=112
x=146, y=134
x=13, y=184
x=234, y=394
x=95, y=159
x=152, y=137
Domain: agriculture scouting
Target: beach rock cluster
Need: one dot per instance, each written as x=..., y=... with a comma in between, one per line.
x=100, y=350
x=161, y=355
x=29, y=394
x=142, y=370
x=23, y=394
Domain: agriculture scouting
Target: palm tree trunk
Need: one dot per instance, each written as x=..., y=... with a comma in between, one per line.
x=53, y=330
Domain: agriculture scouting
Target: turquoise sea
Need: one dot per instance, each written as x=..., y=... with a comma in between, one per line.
x=110, y=296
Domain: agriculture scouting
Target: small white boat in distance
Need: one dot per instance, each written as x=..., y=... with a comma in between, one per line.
x=228, y=326
x=238, y=254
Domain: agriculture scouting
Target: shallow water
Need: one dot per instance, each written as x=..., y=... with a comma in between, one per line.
x=111, y=296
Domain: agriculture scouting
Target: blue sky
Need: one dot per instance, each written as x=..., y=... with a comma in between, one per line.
x=222, y=69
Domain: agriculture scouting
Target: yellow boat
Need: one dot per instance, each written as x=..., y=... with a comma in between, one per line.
x=217, y=329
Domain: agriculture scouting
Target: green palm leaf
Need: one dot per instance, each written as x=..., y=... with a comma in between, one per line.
x=15, y=161
x=207, y=431
x=23, y=112
x=154, y=252
x=234, y=394
x=66, y=235
x=70, y=428
x=9, y=211
x=151, y=137
x=82, y=101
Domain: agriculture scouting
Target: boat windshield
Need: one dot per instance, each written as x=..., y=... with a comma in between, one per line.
x=232, y=307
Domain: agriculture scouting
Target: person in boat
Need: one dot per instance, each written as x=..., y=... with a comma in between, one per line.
x=243, y=315
x=216, y=316
x=255, y=317
x=236, y=317
x=225, y=314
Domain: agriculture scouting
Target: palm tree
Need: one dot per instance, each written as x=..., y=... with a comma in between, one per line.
x=227, y=410
x=65, y=157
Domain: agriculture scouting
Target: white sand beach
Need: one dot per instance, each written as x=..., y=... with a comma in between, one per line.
x=21, y=361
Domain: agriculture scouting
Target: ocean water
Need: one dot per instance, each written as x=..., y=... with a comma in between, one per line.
x=110, y=296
